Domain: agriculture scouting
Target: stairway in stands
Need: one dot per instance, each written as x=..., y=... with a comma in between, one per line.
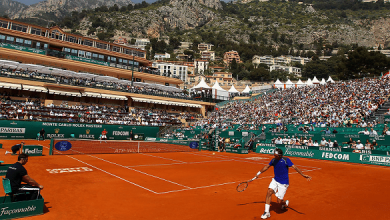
x=379, y=114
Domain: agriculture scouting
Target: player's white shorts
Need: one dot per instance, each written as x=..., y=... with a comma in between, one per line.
x=104, y=136
x=279, y=189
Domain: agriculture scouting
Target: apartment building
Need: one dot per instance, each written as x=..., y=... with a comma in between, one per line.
x=228, y=57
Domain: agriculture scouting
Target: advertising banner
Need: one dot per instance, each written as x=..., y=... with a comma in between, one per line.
x=326, y=153
x=22, y=48
x=29, y=130
x=33, y=150
x=11, y=210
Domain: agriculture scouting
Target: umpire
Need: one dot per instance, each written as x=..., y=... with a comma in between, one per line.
x=17, y=174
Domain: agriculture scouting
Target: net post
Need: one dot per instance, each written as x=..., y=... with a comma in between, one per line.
x=51, y=146
x=138, y=145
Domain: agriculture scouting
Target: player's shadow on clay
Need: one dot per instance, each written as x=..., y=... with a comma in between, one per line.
x=275, y=207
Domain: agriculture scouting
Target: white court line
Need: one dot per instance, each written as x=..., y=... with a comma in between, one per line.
x=240, y=159
x=187, y=188
x=162, y=158
x=141, y=172
x=114, y=175
x=221, y=184
x=167, y=164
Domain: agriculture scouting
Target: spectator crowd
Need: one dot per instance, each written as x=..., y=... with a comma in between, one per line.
x=330, y=105
x=101, y=114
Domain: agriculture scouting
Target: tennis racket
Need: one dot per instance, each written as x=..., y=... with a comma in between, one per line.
x=242, y=186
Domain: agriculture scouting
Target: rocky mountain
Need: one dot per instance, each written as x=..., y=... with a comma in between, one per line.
x=254, y=22
x=9, y=7
x=274, y=23
x=53, y=10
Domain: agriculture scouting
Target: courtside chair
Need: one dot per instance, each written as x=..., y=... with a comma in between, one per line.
x=8, y=190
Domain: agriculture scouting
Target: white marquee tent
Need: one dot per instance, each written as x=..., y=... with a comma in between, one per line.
x=278, y=84
x=289, y=84
x=309, y=82
x=233, y=90
x=315, y=81
x=330, y=80
x=219, y=93
x=246, y=90
x=300, y=84
x=201, y=85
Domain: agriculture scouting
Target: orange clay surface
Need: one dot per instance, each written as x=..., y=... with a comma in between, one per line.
x=200, y=185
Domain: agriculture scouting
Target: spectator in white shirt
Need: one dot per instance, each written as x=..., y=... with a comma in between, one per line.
x=373, y=132
x=359, y=146
x=278, y=141
x=365, y=132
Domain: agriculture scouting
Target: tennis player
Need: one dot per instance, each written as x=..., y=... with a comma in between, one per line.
x=280, y=182
x=103, y=136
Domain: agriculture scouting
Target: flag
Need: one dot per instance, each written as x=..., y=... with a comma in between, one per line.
x=386, y=75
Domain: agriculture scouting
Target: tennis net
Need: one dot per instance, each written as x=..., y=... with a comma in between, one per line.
x=83, y=146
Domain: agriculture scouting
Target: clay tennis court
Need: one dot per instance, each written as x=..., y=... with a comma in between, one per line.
x=199, y=185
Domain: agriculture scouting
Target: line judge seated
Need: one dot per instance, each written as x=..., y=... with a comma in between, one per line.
x=17, y=174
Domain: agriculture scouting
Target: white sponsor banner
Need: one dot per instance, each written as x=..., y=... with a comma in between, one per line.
x=375, y=159
x=12, y=130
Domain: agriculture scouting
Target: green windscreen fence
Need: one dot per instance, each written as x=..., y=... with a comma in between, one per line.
x=30, y=129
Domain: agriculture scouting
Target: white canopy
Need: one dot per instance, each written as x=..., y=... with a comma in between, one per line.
x=330, y=80
x=278, y=84
x=323, y=81
x=246, y=90
x=300, y=83
x=309, y=82
x=289, y=84
x=233, y=90
x=202, y=85
x=217, y=86
x=219, y=93
x=315, y=80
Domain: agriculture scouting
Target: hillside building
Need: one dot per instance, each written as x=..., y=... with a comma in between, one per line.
x=228, y=57
x=204, y=47
x=201, y=66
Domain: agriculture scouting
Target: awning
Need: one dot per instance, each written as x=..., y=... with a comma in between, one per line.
x=162, y=102
x=149, y=100
x=10, y=85
x=34, y=88
x=67, y=93
x=118, y=97
x=92, y=94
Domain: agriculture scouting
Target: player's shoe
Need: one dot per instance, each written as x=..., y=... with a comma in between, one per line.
x=7, y=152
x=286, y=205
x=266, y=215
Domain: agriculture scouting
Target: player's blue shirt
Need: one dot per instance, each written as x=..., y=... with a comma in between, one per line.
x=281, y=169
